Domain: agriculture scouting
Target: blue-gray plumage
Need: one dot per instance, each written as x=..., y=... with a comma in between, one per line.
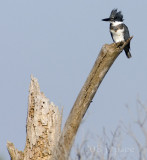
x=119, y=31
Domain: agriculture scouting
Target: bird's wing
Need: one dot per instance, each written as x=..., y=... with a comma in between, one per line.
x=126, y=35
x=112, y=37
x=111, y=33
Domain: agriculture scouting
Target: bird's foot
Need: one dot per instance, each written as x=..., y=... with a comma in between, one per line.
x=119, y=44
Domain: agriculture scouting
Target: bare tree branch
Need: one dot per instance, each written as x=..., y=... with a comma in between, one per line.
x=141, y=122
x=106, y=57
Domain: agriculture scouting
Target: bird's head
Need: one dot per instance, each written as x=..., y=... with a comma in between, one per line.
x=114, y=16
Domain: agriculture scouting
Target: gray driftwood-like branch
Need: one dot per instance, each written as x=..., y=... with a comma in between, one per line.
x=44, y=139
x=105, y=59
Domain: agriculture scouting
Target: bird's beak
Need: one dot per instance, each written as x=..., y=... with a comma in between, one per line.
x=106, y=19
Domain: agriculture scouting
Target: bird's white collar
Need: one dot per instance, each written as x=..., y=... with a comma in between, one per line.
x=116, y=23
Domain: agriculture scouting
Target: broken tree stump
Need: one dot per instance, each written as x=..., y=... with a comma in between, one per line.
x=43, y=127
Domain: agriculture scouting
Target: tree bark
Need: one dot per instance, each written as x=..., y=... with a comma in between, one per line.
x=43, y=127
x=106, y=57
x=44, y=140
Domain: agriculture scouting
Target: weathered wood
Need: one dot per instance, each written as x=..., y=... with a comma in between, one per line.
x=44, y=140
x=43, y=127
x=106, y=57
x=14, y=153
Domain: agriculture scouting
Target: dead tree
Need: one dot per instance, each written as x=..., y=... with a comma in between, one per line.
x=43, y=127
x=44, y=140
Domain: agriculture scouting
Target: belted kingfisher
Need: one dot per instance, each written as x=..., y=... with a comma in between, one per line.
x=119, y=31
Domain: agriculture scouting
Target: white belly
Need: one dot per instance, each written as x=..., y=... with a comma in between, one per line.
x=118, y=35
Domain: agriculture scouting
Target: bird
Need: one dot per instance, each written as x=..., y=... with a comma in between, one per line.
x=118, y=30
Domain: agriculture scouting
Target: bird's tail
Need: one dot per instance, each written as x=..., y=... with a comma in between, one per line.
x=128, y=54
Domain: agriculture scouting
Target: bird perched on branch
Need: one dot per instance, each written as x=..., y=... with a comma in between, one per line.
x=119, y=31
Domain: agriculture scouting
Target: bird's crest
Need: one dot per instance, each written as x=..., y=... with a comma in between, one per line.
x=116, y=15
x=113, y=13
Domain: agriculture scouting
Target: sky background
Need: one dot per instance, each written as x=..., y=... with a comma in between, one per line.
x=58, y=42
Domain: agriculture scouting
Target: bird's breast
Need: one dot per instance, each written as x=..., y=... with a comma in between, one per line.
x=117, y=34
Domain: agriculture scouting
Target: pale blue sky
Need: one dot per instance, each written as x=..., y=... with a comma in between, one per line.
x=58, y=42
